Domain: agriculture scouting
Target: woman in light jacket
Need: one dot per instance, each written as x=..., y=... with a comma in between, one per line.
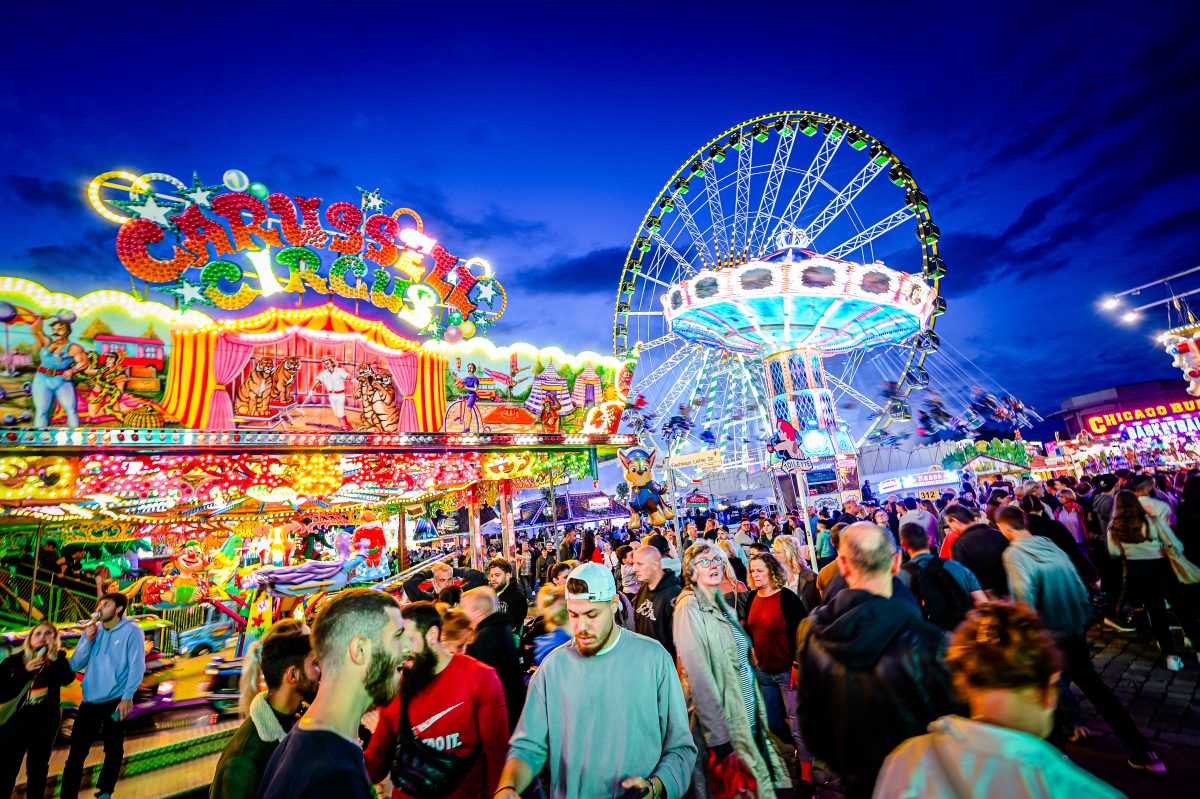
x=1006, y=666
x=729, y=717
x=1134, y=536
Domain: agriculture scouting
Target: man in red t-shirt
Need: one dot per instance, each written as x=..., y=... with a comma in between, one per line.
x=455, y=704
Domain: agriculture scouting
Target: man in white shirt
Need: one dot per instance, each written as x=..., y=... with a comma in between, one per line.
x=334, y=378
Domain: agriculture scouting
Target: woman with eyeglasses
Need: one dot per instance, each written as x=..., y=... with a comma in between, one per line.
x=31, y=677
x=716, y=666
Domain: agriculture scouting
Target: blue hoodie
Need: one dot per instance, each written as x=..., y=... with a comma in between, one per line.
x=113, y=665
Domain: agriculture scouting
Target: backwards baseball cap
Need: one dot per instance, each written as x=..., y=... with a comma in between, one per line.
x=591, y=582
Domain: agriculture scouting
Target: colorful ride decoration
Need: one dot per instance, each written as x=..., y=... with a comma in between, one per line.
x=1183, y=345
x=210, y=245
x=265, y=372
x=370, y=543
x=646, y=497
x=523, y=389
x=304, y=578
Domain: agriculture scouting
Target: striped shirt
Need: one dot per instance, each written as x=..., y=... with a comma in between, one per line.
x=745, y=670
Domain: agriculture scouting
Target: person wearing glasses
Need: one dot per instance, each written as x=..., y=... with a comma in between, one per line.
x=716, y=665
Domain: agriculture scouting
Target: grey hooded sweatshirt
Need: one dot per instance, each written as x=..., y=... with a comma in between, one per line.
x=1041, y=575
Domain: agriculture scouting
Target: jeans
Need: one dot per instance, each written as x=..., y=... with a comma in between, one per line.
x=780, y=700
x=32, y=729
x=48, y=388
x=90, y=721
x=1152, y=581
x=1082, y=672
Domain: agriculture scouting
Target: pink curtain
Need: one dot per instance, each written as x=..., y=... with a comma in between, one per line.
x=404, y=369
x=229, y=360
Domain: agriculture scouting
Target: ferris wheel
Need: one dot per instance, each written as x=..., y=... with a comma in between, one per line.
x=790, y=261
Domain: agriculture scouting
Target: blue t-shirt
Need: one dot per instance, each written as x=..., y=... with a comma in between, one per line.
x=316, y=764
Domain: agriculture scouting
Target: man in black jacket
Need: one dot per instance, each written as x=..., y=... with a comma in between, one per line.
x=870, y=667
x=441, y=576
x=654, y=605
x=494, y=645
x=978, y=547
x=512, y=601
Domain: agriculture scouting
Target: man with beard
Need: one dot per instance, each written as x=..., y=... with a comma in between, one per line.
x=634, y=741
x=511, y=599
x=289, y=668
x=358, y=639
x=495, y=647
x=452, y=703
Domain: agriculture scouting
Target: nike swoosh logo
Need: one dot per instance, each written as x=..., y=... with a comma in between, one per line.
x=424, y=725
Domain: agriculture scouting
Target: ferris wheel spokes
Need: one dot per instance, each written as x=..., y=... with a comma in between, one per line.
x=712, y=194
x=865, y=237
x=684, y=264
x=766, y=205
x=846, y=388
x=808, y=182
x=741, y=205
x=842, y=199
x=707, y=261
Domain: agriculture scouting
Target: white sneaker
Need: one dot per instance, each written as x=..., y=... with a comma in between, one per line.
x=1174, y=663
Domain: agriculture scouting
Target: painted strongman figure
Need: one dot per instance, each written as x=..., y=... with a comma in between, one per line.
x=60, y=361
x=334, y=378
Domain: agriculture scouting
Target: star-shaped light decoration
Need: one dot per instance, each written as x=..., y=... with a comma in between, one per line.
x=189, y=293
x=150, y=208
x=199, y=194
x=487, y=292
x=372, y=200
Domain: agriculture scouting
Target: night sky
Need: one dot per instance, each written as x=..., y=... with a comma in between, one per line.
x=1057, y=147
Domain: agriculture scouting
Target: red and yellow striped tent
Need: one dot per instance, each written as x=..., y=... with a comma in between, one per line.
x=206, y=362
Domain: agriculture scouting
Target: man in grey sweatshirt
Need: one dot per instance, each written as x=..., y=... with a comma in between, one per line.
x=1042, y=576
x=112, y=656
x=599, y=742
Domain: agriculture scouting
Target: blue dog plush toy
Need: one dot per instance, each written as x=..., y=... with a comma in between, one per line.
x=645, y=495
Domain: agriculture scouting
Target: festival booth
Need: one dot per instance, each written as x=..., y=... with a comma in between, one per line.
x=255, y=459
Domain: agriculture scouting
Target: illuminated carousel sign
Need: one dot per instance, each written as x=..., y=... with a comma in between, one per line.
x=288, y=244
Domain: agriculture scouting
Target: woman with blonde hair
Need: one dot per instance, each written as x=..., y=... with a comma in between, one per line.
x=801, y=580
x=32, y=677
x=716, y=666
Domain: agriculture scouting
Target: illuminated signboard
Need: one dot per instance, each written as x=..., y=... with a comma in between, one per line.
x=181, y=241
x=1102, y=423
x=910, y=481
x=1165, y=427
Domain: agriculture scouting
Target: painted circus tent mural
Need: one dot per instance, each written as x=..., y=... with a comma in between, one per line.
x=258, y=310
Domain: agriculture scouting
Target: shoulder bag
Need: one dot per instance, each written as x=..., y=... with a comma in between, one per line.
x=420, y=770
x=1186, y=572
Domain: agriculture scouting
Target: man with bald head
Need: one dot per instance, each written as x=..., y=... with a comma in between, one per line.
x=494, y=645
x=654, y=605
x=870, y=667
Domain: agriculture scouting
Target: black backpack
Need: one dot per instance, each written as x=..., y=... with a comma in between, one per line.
x=943, y=601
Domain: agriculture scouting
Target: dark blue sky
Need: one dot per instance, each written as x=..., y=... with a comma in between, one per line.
x=1055, y=141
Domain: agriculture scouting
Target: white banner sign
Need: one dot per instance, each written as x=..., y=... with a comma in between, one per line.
x=704, y=459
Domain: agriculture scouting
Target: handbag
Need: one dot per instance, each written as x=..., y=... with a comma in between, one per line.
x=1186, y=572
x=420, y=770
x=9, y=709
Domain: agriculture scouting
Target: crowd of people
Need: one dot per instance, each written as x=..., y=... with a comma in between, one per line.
x=916, y=648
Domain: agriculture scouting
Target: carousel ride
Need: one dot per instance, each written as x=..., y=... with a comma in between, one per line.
x=765, y=321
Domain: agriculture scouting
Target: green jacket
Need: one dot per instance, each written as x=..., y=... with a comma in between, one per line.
x=708, y=668
x=240, y=769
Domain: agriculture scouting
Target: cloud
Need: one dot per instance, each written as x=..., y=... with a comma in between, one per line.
x=300, y=175
x=75, y=266
x=493, y=223
x=31, y=192
x=595, y=271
